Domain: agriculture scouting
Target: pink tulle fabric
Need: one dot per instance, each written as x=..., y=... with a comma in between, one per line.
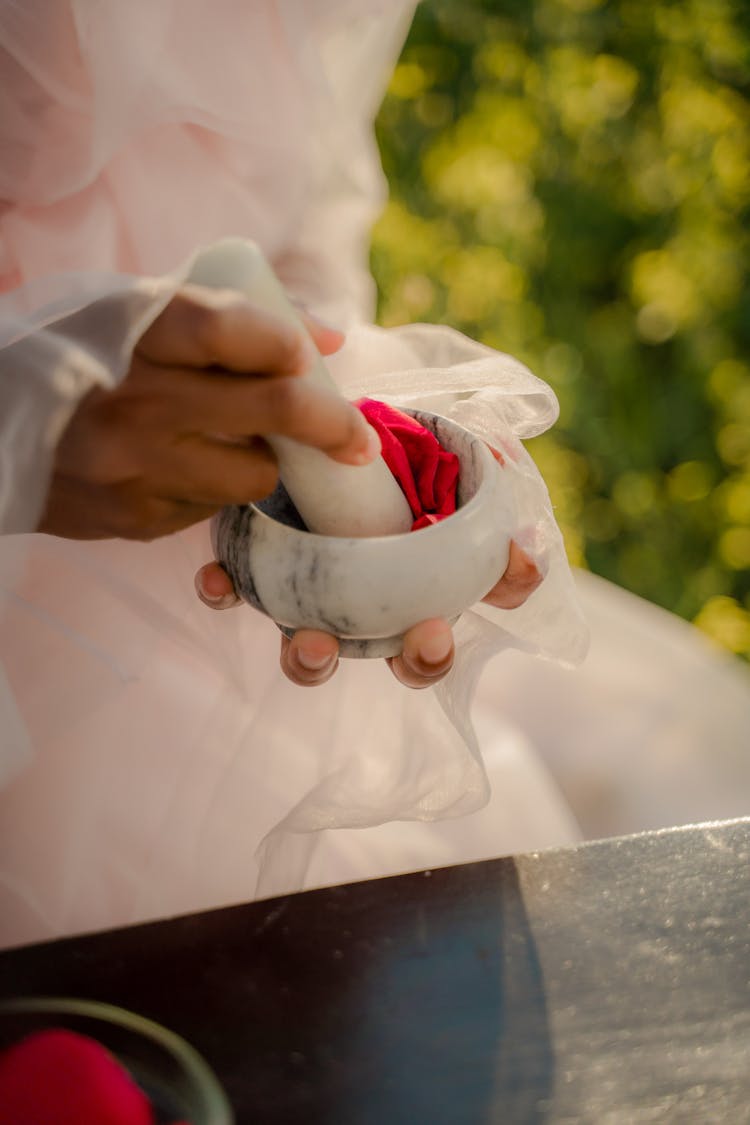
x=149, y=745
x=133, y=133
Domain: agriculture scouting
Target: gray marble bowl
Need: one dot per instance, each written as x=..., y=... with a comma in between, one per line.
x=368, y=592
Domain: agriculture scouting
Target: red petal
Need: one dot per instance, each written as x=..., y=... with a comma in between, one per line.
x=58, y=1077
x=426, y=472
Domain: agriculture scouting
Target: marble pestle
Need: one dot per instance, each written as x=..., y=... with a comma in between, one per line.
x=333, y=499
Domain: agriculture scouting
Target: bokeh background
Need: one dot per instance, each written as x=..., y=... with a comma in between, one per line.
x=570, y=182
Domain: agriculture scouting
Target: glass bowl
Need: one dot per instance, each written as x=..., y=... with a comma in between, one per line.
x=179, y=1083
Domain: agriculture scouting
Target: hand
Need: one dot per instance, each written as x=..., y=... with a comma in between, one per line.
x=183, y=434
x=310, y=657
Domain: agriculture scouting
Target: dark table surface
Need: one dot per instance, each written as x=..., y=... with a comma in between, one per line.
x=608, y=983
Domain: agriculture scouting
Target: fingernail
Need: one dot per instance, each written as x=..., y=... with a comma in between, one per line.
x=326, y=324
x=223, y=601
x=372, y=448
x=302, y=308
x=436, y=648
x=314, y=661
x=532, y=542
x=226, y=601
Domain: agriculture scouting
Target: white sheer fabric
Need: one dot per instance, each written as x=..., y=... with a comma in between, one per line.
x=148, y=745
x=161, y=742
x=166, y=741
x=132, y=134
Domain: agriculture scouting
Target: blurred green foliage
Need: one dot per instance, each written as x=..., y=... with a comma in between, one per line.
x=570, y=182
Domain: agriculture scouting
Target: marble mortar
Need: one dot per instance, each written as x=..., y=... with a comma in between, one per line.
x=369, y=591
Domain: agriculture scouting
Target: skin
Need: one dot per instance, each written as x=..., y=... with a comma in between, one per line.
x=310, y=658
x=183, y=435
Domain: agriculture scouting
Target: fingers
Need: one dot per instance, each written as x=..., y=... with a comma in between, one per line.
x=179, y=380
x=309, y=658
x=326, y=338
x=78, y=509
x=522, y=576
x=203, y=327
x=316, y=417
x=214, y=587
x=211, y=403
x=211, y=472
x=427, y=655
x=183, y=433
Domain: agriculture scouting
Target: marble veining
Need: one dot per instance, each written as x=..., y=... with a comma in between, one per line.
x=367, y=592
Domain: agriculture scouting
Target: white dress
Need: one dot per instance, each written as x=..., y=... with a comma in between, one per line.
x=149, y=745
